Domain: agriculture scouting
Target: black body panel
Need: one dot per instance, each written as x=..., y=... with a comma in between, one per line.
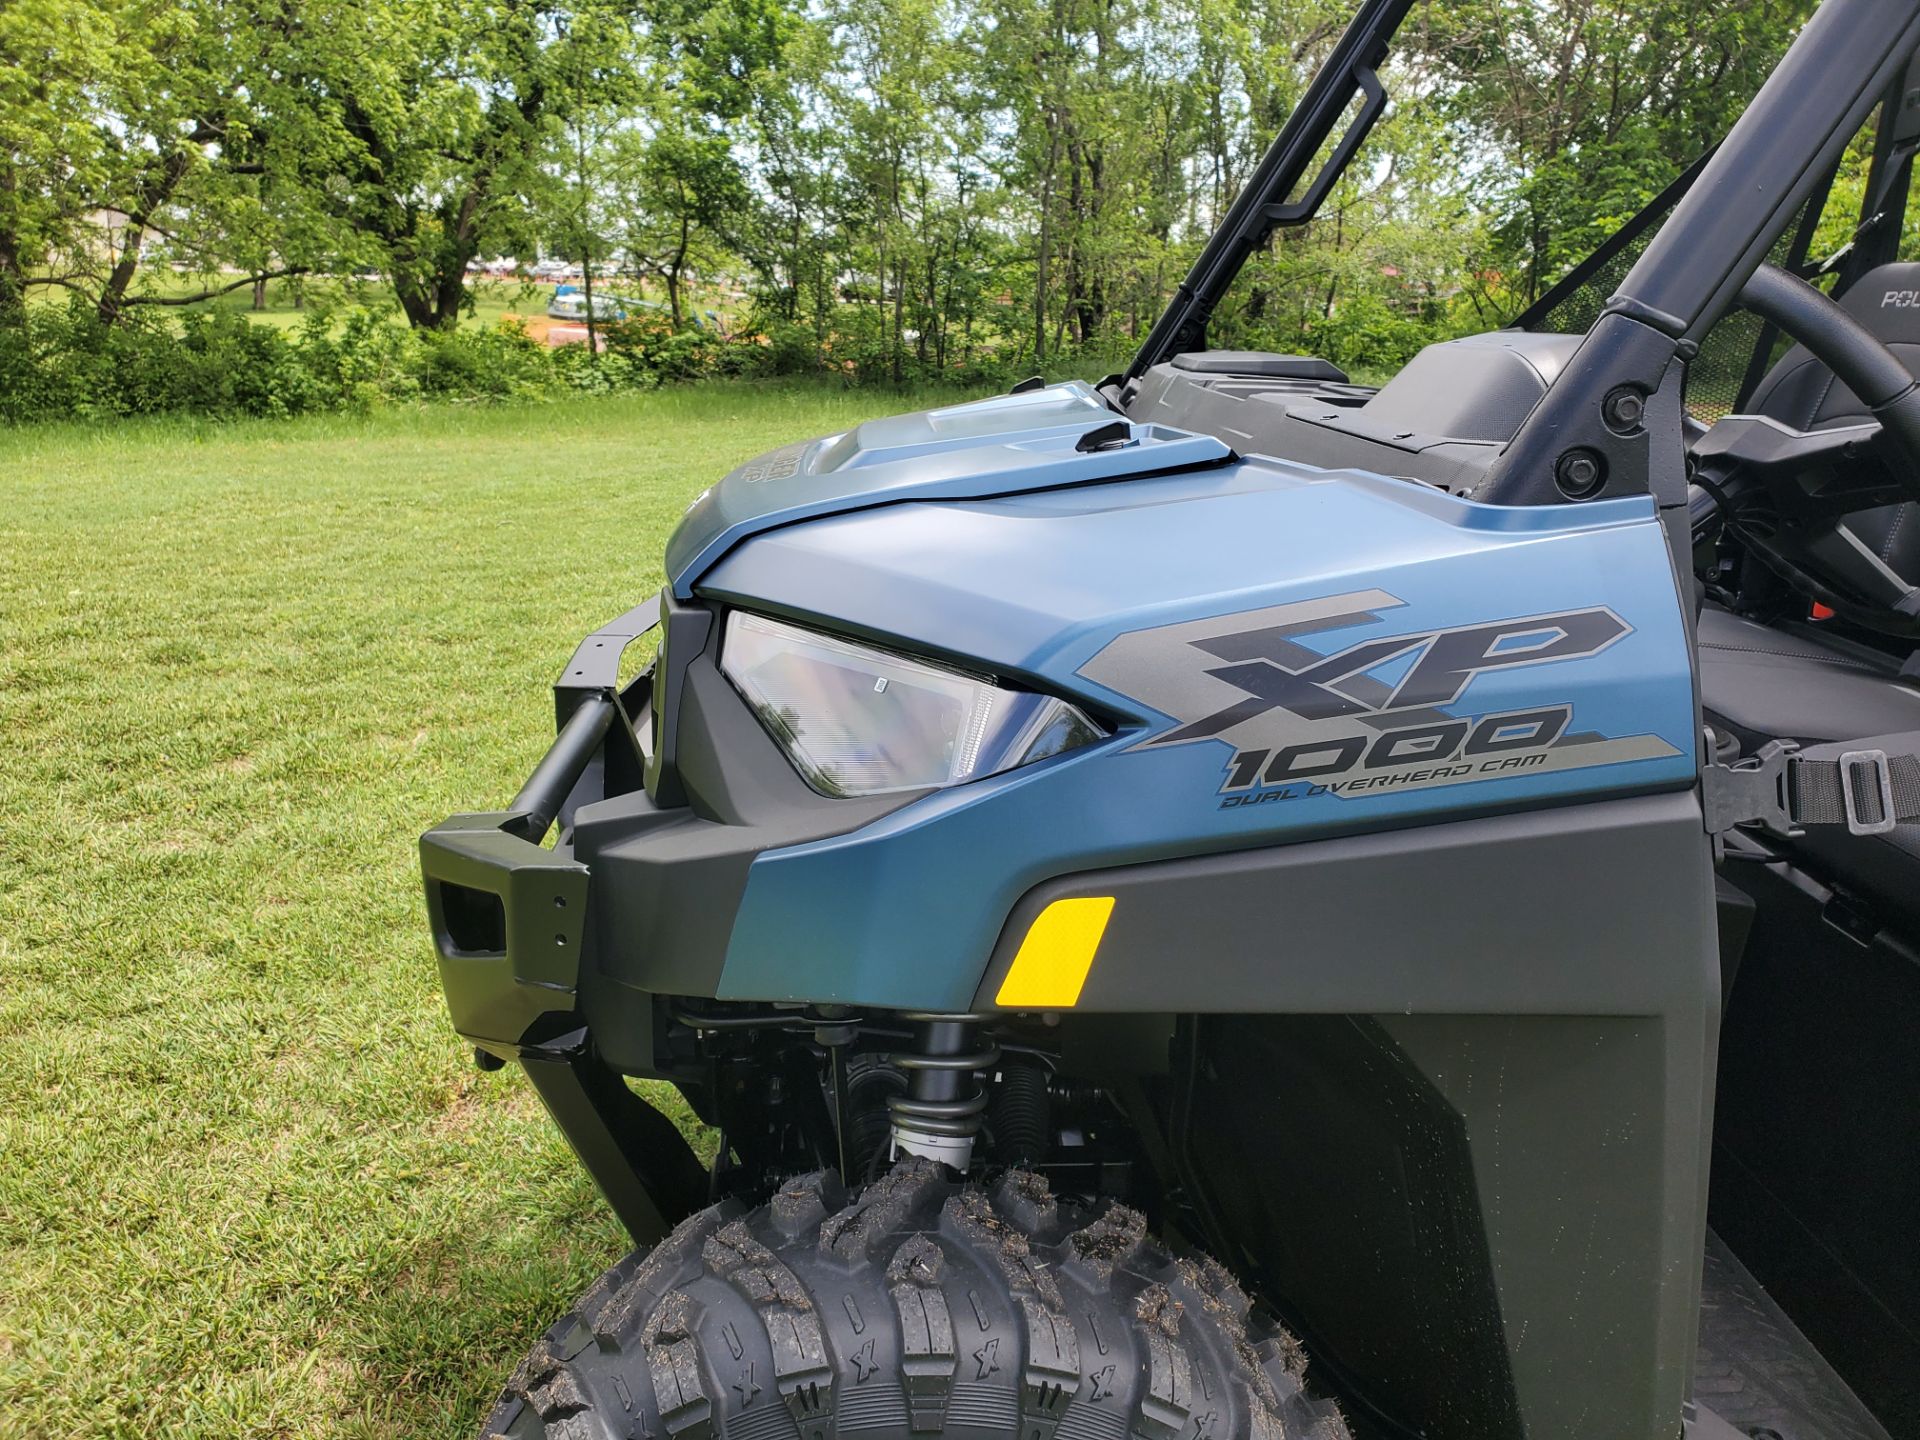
x=1504, y=920
x=1758, y=1372
x=1816, y=1182
x=1261, y=363
x=1475, y=1073
x=1442, y=419
x=1357, y=1203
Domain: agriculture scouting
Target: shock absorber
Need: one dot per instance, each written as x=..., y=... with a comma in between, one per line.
x=945, y=1102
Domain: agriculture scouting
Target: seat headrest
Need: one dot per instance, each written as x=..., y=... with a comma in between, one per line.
x=1887, y=301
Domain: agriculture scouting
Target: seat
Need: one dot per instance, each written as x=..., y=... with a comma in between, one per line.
x=1759, y=683
x=1792, y=682
x=1802, y=392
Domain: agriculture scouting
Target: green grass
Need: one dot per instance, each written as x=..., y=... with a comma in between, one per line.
x=249, y=1182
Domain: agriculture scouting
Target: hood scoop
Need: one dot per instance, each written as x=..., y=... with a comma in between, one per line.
x=1037, y=440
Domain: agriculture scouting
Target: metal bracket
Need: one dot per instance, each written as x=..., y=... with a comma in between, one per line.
x=1753, y=792
x=637, y=1157
x=595, y=666
x=593, y=674
x=1875, y=761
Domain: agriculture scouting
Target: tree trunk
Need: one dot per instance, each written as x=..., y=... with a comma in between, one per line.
x=793, y=258
x=13, y=290
x=434, y=297
x=586, y=247
x=1045, y=257
x=1333, y=281
x=415, y=303
x=432, y=302
x=13, y=278
x=586, y=285
x=897, y=360
x=899, y=305
x=679, y=260
x=155, y=193
x=931, y=320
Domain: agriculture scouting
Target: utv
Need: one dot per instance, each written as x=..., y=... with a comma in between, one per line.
x=1127, y=868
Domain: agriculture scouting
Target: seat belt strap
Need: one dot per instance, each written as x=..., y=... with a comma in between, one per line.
x=1863, y=785
x=1868, y=785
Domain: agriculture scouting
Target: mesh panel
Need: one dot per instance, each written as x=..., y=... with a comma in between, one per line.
x=1719, y=373
x=1718, y=376
x=1575, y=312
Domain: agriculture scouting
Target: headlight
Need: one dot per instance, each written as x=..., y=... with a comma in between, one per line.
x=860, y=721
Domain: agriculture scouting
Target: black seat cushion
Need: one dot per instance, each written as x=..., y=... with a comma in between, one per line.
x=1758, y=683
x=1802, y=392
x=1762, y=684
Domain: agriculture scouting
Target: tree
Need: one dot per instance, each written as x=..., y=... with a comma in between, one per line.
x=1588, y=108
x=441, y=116
x=52, y=54
x=683, y=195
x=130, y=126
x=917, y=183
x=788, y=237
x=598, y=85
x=680, y=173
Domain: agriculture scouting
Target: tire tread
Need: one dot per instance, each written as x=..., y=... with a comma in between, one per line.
x=991, y=1312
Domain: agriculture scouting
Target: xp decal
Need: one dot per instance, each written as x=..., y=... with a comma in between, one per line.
x=781, y=464
x=1385, y=712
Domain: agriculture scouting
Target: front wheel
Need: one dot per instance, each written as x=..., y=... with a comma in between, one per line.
x=922, y=1307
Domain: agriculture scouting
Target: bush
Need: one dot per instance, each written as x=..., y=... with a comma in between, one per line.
x=653, y=347
x=503, y=362
x=63, y=363
x=772, y=347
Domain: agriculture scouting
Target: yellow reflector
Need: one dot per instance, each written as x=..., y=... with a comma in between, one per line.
x=1054, y=958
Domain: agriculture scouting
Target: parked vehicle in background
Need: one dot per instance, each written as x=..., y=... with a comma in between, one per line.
x=569, y=303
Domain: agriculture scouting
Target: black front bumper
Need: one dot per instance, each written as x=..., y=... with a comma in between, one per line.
x=509, y=917
x=510, y=920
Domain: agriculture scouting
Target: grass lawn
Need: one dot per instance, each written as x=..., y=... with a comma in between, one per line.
x=250, y=1183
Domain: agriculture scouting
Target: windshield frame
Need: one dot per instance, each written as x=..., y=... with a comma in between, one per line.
x=1350, y=71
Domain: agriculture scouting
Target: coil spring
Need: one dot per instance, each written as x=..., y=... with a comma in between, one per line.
x=950, y=1054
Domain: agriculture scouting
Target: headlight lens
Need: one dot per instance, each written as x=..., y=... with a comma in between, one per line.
x=859, y=721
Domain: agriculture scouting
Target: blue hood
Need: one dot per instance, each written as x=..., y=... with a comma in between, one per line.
x=1003, y=446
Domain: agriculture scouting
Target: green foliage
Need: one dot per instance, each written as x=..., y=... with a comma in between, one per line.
x=883, y=190
x=65, y=363
x=777, y=346
x=1589, y=110
x=653, y=345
